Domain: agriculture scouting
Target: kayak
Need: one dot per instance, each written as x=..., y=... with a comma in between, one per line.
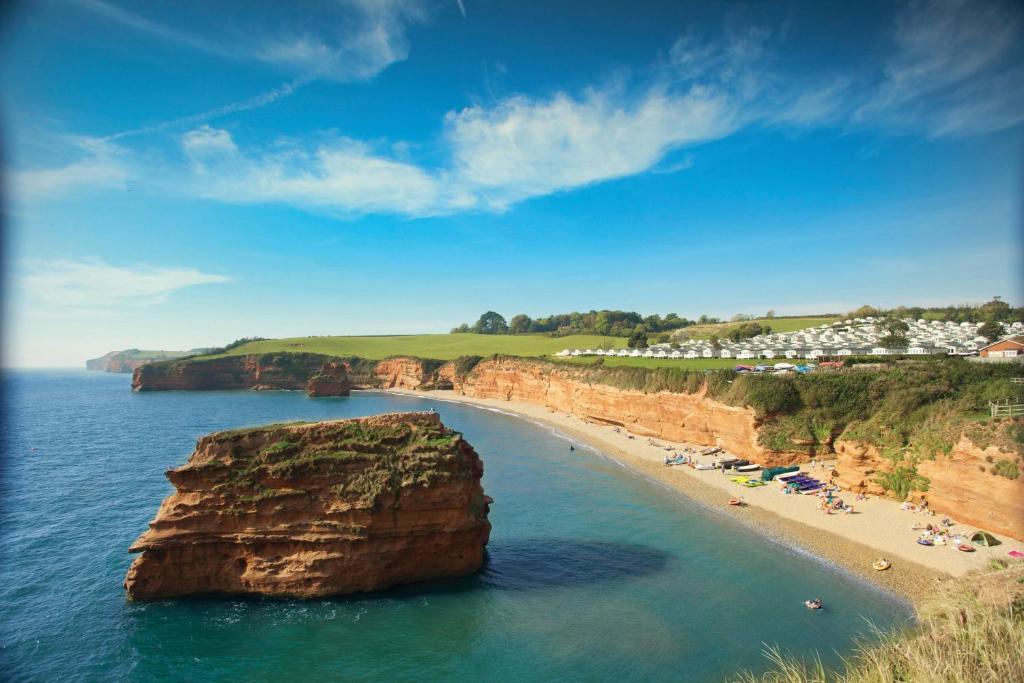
x=924, y=541
x=965, y=548
x=736, y=501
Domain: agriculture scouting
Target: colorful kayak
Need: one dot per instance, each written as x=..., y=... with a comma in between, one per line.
x=964, y=547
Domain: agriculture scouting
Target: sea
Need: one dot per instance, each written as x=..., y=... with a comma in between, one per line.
x=593, y=572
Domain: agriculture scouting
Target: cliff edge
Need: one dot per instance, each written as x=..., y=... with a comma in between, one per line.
x=317, y=509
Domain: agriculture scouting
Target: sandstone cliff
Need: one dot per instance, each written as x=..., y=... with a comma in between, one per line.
x=309, y=510
x=695, y=418
x=318, y=374
x=255, y=371
x=960, y=484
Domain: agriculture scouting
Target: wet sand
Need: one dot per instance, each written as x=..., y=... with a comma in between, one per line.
x=878, y=528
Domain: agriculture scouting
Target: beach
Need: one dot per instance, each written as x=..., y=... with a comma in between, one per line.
x=877, y=528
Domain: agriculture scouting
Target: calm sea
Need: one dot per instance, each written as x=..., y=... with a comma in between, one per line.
x=593, y=573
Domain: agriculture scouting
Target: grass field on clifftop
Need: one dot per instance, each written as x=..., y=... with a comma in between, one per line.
x=439, y=346
x=777, y=325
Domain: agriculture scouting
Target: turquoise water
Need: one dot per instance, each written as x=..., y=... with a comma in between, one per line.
x=593, y=573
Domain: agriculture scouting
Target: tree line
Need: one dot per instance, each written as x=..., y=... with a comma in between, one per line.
x=604, y=323
x=995, y=310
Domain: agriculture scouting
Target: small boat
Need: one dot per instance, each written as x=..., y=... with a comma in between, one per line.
x=704, y=466
x=748, y=468
x=710, y=451
x=965, y=547
x=881, y=564
x=925, y=541
x=736, y=501
x=812, y=604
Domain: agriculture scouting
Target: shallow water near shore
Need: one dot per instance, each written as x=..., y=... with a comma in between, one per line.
x=593, y=572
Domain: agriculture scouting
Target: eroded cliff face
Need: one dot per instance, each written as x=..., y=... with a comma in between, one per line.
x=267, y=371
x=403, y=373
x=693, y=418
x=331, y=380
x=318, y=509
x=961, y=484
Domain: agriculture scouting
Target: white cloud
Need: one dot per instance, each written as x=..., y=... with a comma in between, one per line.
x=340, y=175
x=349, y=40
x=955, y=69
x=93, y=285
x=523, y=148
x=519, y=148
x=100, y=166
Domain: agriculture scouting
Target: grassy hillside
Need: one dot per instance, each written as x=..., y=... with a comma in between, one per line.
x=440, y=346
x=684, y=363
x=777, y=325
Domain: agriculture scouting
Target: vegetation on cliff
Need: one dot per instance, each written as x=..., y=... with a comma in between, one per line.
x=371, y=459
x=909, y=411
x=973, y=630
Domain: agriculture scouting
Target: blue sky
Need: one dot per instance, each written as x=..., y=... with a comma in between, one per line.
x=182, y=174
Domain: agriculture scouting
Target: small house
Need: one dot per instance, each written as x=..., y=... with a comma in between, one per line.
x=1003, y=348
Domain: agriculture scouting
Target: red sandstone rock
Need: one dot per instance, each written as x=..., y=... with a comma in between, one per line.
x=317, y=509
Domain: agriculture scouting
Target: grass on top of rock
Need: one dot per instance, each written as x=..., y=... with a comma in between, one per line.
x=363, y=461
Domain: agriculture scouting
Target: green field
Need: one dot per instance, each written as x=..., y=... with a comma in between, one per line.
x=777, y=325
x=439, y=346
x=682, y=363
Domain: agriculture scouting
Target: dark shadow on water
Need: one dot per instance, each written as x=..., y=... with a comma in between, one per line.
x=553, y=563
x=515, y=565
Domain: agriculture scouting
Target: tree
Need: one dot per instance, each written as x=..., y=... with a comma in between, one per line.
x=991, y=331
x=637, y=340
x=894, y=341
x=519, y=324
x=770, y=314
x=895, y=326
x=662, y=338
x=715, y=343
x=491, y=323
x=460, y=329
x=994, y=310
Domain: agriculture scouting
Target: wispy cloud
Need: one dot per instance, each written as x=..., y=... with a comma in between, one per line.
x=355, y=41
x=500, y=155
x=261, y=100
x=98, y=165
x=524, y=148
x=340, y=176
x=94, y=285
x=956, y=69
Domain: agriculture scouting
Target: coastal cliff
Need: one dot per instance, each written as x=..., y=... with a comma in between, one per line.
x=128, y=360
x=673, y=416
x=961, y=484
x=317, y=509
x=315, y=373
x=771, y=421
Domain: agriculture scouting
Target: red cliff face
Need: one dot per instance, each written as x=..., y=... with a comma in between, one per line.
x=961, y=484
x=403, y=373
x=256, y=371
x=692, y=418
x=317, y=509
x=331, y=380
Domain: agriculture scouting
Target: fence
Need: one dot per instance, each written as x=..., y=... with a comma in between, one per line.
x=1006, y=409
